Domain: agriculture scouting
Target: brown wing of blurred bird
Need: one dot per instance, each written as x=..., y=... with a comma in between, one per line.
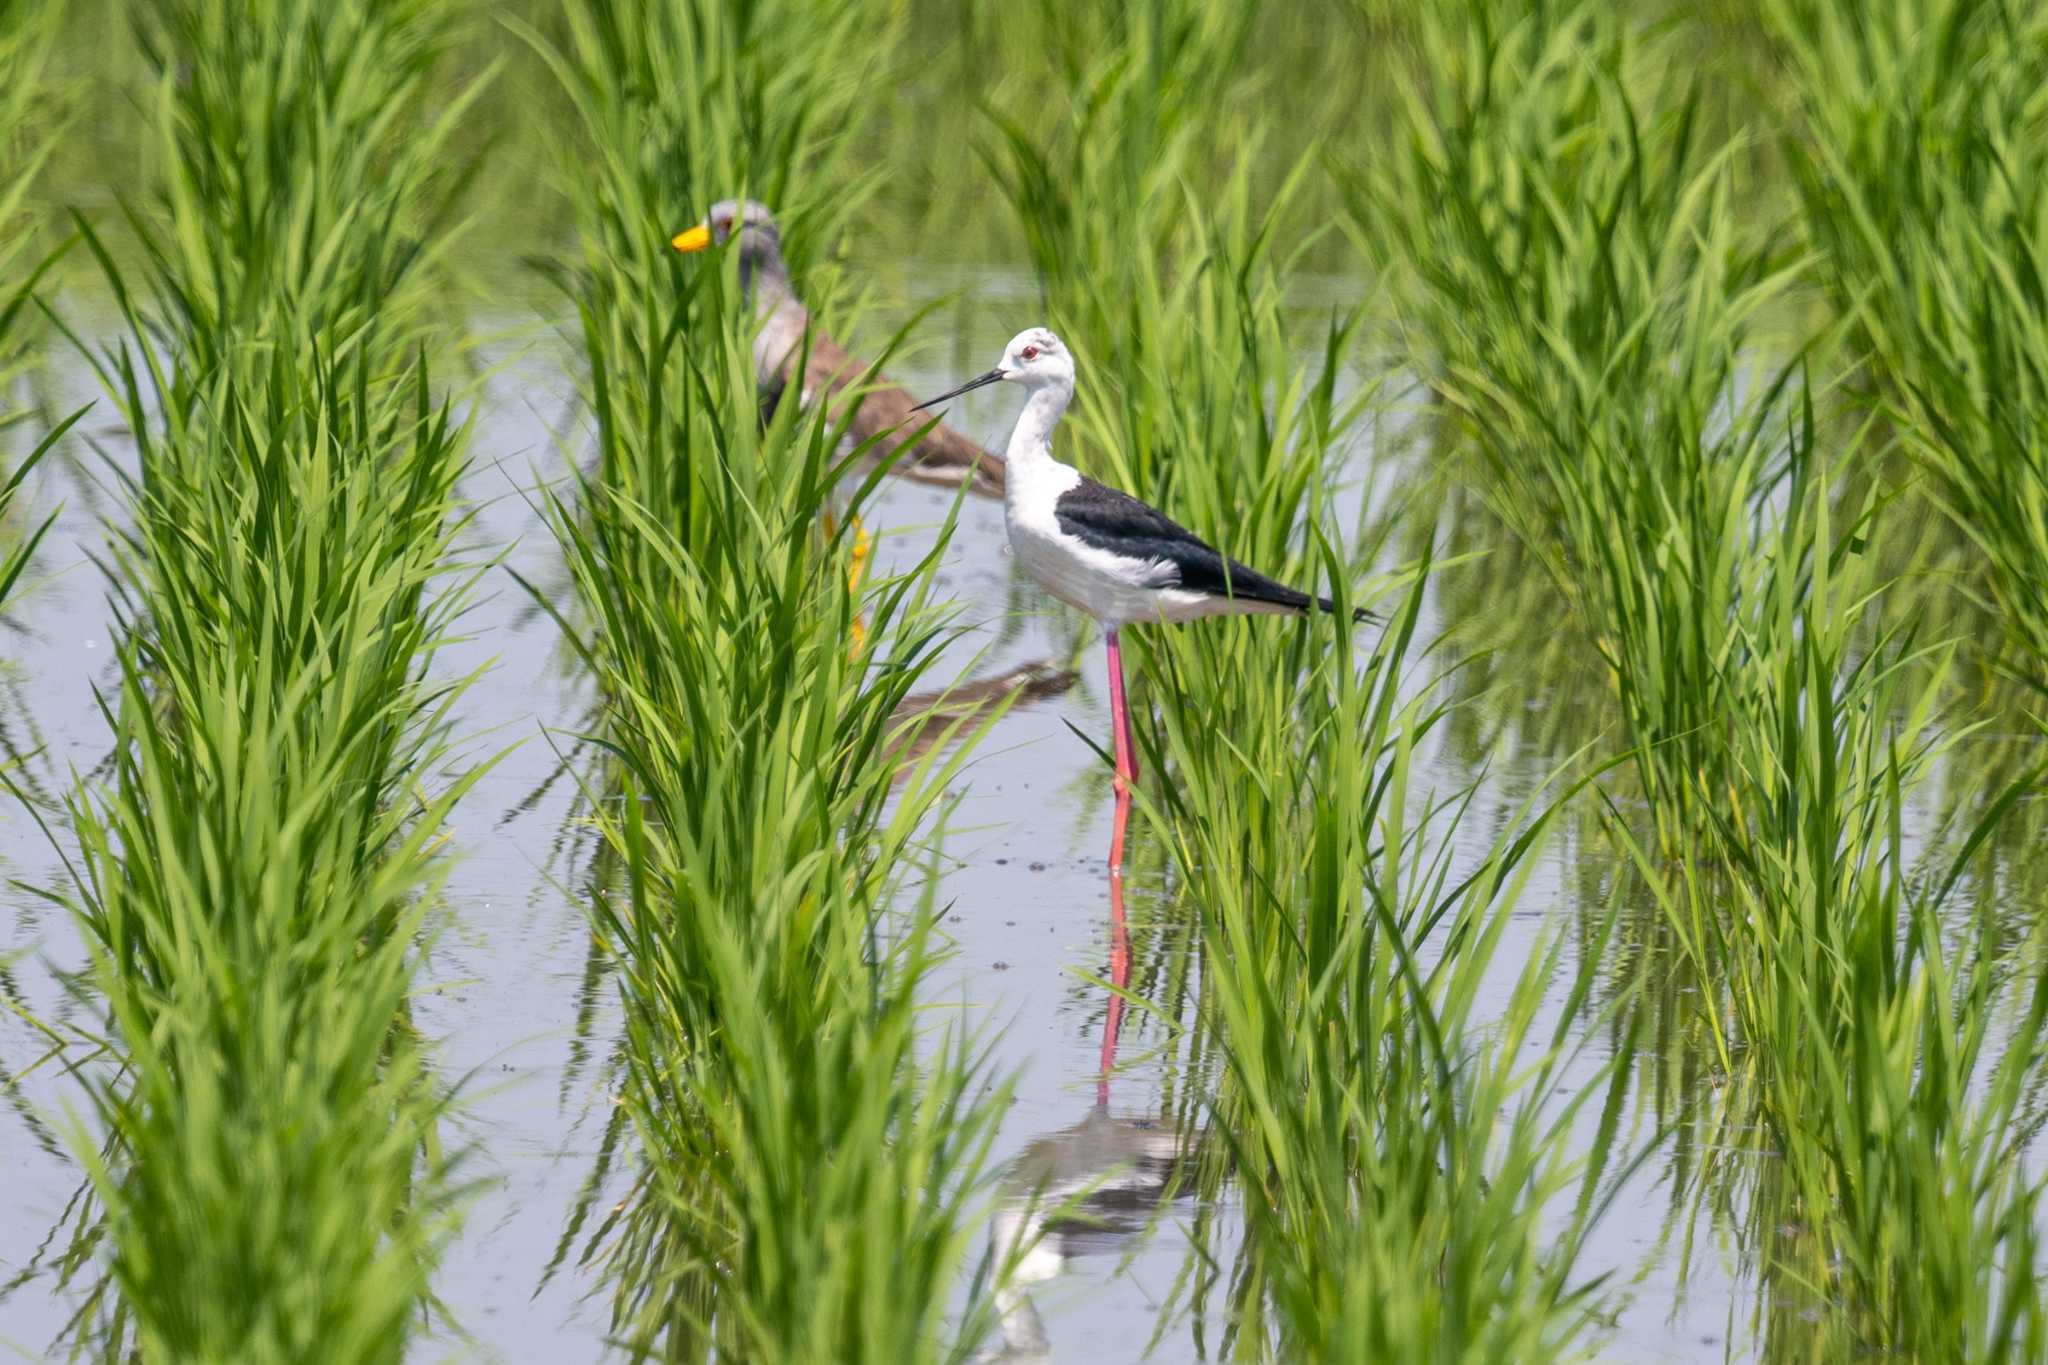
x=943, y=458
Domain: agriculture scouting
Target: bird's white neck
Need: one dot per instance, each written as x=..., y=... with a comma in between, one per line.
x=1031, y=439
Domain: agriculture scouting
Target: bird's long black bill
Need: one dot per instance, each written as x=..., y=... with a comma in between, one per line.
x=992, y=377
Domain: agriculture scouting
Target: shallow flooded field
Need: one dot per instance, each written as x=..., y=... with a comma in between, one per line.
x=516, y=993
x=514, y=854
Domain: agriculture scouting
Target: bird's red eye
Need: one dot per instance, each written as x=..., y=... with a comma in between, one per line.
x=1031, y=353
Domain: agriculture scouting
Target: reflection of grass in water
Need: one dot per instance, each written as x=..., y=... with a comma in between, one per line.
x=253, y=874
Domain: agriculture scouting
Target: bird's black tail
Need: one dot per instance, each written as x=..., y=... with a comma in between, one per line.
x=1357, y=613
x=1249, y=585
x=1259, y=588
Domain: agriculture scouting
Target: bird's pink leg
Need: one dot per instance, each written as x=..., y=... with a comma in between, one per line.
x=1126, y=751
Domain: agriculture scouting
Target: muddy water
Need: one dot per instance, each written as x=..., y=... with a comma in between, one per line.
x=526, y=1017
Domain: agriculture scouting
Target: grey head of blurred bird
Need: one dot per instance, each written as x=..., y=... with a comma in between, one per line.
x=759, y=247
x=943, y=458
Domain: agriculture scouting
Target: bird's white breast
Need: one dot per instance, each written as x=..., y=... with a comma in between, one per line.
x=1113, y=588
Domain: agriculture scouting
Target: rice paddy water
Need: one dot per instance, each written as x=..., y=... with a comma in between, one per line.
x=516, y=852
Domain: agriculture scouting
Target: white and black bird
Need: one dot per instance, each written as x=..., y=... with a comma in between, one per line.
x=1102, y=550
x=941, y=455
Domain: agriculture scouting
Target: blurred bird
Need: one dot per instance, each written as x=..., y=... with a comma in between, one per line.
x=946, y=714
x=1103, y=551
x=943, y=457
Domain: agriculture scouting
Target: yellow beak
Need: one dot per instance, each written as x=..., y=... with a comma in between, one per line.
x=694, y=239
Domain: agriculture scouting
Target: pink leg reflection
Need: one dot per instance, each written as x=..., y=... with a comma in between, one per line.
x=1119, y=947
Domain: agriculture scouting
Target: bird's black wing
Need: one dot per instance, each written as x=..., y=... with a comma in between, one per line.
x=1115, y=521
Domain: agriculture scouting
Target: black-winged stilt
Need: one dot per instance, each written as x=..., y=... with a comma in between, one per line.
x=942, y=457
x=1102, y=550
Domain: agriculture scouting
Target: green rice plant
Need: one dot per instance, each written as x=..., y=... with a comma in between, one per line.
x=1244, y=416
x=808, y=1183
x=1194, y=390
x=1355, y=1071
x=1097, y=172
x=305, y=178
x=20, y=547
x=1893, y=1071
x=1920, y=150
x=1107, y=175
x=1582, y=298
x=254, y=874
x=303, y=183
x=1404, y=1155
x=29, y=126
x=810, y=1158
x=676, y=106
x=32, y=109
x=1049, y=71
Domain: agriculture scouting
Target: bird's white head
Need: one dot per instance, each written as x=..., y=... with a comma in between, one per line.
x=1034, y=358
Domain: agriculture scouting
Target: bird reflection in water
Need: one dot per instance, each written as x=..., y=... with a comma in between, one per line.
x=943, y=716
x=1087, y=1189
